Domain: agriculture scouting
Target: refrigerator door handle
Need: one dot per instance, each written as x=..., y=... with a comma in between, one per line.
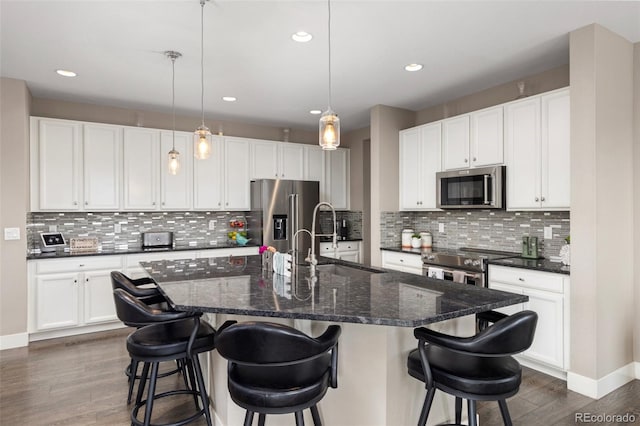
x=293, y=214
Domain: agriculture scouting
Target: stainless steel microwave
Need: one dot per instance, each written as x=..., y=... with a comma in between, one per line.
x=481, y=188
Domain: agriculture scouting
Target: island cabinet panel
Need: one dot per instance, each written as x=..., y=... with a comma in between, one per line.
x=102, y=149
x=176, y=190
x=56, y=164
x=141, y=168
x=71, y=296
x=548, y=296
x=419, y=162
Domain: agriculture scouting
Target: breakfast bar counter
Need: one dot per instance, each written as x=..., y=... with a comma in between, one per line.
x=376, y=308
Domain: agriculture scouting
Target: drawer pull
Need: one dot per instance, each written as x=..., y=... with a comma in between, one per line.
x=81, y=265
x=521, y=279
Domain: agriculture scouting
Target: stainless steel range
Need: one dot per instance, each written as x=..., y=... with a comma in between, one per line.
x=466, y=264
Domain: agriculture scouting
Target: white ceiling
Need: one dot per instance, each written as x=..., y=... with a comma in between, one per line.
x=116, y=49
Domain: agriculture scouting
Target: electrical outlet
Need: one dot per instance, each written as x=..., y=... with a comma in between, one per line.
x=117, y=228
x=53, y=228
x=548, y=232
x=441, y=227
x=212, y=225
x=11, y=234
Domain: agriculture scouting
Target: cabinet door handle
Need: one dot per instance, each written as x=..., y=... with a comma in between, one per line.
x=86, y=203
x=75, y=203
x=86, y=279
x=81, y=265
x=466, y=160
x=537, y=199
x=521, y=279
x=226, y=204
x=474, y=159
x=219, y=203
x=75, y=281
x=153, y=203
x=542, y=199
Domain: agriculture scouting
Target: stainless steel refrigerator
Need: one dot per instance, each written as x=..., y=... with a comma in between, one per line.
x=278, y=209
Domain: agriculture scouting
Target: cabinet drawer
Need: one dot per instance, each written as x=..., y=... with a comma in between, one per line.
x=78, y=264
x=402, y=259
x=342, y=246
x=526, y=278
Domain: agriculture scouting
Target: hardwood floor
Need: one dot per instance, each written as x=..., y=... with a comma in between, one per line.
x=80, y=381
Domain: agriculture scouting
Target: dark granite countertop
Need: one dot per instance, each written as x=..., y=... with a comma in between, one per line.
x=60, y=254
x=418, y=251
x=329, y=239
x=544, y=265
x=343, y=292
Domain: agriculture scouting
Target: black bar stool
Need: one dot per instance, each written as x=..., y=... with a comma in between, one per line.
x=134, y=313
x=171, y=341
x=477, y=368
x=275, y=369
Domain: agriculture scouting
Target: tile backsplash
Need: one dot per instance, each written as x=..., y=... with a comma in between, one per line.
x=490, y=229
x=189, y=228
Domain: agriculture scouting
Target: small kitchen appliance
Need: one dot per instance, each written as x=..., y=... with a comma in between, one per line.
x=157, y=240
x=344, y=229
x=478, y=188
x=530, y=247
x=50, y=241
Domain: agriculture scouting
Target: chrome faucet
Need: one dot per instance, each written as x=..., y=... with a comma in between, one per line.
x=312, y=259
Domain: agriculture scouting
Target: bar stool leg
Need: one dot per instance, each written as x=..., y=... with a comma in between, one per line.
x=202, y=389
x=261, y=418
x=299, y=418
x=192, y=380
x=248, y=418
x=143, y=382
x=426, y=407
x=150, y=394
x=133, y=370
x=316, y=416
x=504, y=410
x=471, y=408
x=458, y=410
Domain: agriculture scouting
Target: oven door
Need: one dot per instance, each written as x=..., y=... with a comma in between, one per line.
x=454, y=275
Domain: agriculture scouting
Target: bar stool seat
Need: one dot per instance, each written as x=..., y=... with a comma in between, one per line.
x=171, y=341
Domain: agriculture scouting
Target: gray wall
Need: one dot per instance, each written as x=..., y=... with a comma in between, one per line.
x=602, y=269
x=636, y=196
x=14, y=199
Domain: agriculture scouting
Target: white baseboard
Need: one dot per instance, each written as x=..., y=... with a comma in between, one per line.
x=637, y=370
x=11, y=341
x=597, y=388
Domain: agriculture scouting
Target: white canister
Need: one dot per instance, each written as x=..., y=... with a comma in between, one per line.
x=427, y=241
x=406, y=238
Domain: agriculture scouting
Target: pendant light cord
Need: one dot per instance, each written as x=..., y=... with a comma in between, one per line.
x=329, y=39
x=202, y=58
x=173, y=98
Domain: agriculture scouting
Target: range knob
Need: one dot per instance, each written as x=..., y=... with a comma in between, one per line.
x=477, y=263
x=430, y=257
x=468, y=261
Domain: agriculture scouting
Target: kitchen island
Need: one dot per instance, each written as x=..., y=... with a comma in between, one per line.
x=376, y=308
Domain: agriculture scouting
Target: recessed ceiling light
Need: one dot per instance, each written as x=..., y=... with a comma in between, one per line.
x=302, y=37
x=229, y=98
x=315, y=112
x=413, y=67
x=66, y=73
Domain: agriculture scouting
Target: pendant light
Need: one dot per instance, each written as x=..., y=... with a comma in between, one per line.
x=174, y=156
x=329, y=121
x=202, y=135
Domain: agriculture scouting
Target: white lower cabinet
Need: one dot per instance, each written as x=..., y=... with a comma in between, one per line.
x=66, y=295
x=350, y=251
x=403, y=262
x=548, y=297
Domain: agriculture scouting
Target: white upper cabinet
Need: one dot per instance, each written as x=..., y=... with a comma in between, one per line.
x=473, y=140
x=208, y=179
x=555, y=153
x=338, y=178
x=419, y=162
x=176, y=190
x=141, y=168
x=537, y=145
x=237, y=195
x=487, y=141
x=56, y=166
x=455, y=142
x=276, y=160
x=291, y=160
x=102, y=148
x=315, y=168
